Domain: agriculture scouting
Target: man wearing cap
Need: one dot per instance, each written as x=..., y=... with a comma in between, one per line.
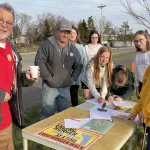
x=60, y=65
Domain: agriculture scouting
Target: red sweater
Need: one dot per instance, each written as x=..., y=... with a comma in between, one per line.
x=6, y=80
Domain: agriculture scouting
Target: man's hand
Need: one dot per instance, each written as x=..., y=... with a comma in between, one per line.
x=101, y=100
x=28, y=75
x=7, y=97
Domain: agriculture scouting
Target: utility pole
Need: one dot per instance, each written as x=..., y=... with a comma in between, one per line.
x=102, y=22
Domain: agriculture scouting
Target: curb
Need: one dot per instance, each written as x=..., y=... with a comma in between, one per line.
x=122, y=48
x=28, y=53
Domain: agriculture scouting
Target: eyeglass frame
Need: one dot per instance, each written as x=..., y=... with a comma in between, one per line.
x=138, y=41
x=8, y=23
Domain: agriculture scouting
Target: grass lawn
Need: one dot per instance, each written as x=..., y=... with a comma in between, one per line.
x=122, y=54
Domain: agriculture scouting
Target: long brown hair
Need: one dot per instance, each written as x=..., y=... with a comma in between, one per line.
x=96, y=63
x=141, y=32
x=78, y=35
x=94, y=32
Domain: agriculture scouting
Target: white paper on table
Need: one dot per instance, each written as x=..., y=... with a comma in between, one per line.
x=95, y=113
x=126, y=104
x=95, y=102
x=76, y=122
x=120, y=114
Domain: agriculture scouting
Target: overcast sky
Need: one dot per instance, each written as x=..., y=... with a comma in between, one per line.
x=79, y=9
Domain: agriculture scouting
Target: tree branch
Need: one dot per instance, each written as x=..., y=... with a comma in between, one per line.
x=141, y=19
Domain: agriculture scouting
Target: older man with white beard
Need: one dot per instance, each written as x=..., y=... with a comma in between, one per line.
x=11, y=80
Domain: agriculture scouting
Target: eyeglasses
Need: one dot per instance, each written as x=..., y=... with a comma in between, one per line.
x=8, y=23
x=138, y=41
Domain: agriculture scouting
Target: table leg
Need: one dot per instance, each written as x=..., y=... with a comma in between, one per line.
x=25, y=144
x=130, y=144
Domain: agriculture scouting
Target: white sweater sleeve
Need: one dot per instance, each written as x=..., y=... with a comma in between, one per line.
x=90, y=83
x=104, y=86
x=135, y=74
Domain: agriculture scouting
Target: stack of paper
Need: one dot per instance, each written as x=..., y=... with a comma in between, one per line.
x=120, y=114
x=76, y=123
x=125, y=104
x=96, y=114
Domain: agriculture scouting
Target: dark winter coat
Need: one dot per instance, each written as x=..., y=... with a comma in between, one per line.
x=16, y=103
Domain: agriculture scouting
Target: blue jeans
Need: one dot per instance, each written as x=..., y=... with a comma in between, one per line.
x=54, y=96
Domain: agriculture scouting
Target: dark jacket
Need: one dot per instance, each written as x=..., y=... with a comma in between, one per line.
x=58, y=68
x=127, y=90
x=15, y=103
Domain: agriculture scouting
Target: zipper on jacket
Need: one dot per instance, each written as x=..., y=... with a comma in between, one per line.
x=18, y=108
x=62, y=74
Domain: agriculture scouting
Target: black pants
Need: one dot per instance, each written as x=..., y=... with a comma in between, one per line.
x=148, y=139
x=140, y=87
x=74, y=94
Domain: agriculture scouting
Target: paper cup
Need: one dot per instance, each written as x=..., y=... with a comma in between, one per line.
x=34, y=71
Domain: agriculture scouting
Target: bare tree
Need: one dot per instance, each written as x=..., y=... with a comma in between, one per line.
x=125, y=33
x=106, y=24
x=140, y=18
x=22, y=22
x=16, y=30
x=46, y=25
x=31, y=33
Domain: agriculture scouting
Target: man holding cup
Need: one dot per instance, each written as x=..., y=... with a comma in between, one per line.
x=11, y=80
x=60, y=65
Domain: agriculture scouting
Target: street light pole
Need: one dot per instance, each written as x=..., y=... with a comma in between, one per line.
x=102, y=23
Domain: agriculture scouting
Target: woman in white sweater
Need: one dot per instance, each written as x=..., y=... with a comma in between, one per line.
x=97, y=75
x=142, y=58
x=93, y=45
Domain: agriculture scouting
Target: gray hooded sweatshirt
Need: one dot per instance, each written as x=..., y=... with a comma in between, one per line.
x=59, y=67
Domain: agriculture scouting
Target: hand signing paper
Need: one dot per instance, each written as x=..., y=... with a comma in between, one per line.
x=101, y=100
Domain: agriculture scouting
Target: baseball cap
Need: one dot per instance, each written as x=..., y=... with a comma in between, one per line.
x=64, y=25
